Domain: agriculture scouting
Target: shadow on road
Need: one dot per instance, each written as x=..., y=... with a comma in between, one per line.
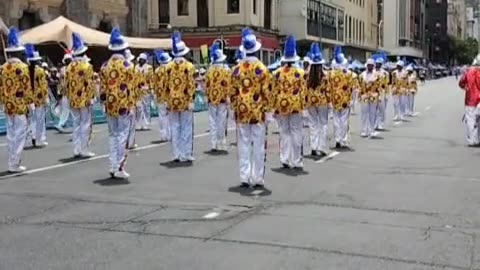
x=290, y=172
x=250, y=192
x=72, y=159
x=159, y=142
x=216, y=153
x=173, y=164
x=108, y=182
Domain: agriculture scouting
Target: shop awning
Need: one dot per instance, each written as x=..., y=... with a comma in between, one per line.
x=61, y=29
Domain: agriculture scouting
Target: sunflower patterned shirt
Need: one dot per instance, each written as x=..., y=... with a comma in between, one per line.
x=40, y=87
x=251, y=93
x=144, y=79
x=180, y=85
x=369, y=87
x=15, y=87
x=118, y=86
x=80, y=83
x=412, y=83
x=160, y=78
x=218, y=84
x=320, y=95
x=399, y=82
x=289, y=90
x=384, y=81
x=342, y=83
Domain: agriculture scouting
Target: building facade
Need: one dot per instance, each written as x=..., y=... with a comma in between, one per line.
x=350, y=23
x=402, y=26
x=456, y=19
x=97, y=14
x=436, y=30
x=202, y=22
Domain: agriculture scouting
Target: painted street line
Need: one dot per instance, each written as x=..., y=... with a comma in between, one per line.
x=427, y=108
x=329, y=157
x=61, y=165
x=211, y=215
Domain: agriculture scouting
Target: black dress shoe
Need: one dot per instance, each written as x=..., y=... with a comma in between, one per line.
x=259, y=186
x=34, y=143
x=323, y=154
x=244, y=185
x=314, y=153
x=176, y=160
x=338, y=145
x=285, y=166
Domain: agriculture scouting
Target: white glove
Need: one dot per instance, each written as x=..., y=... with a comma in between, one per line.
x=305, y=113
x=269, y=117
x=191, y=106
x=47, y=101
x=139, y=103
x=31, y=107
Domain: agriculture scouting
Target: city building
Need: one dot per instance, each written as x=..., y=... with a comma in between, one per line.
x=350, y=23
x=402, y=27
x=436, y=30
x=456, y=19
x=472, y=29
x=203, y=22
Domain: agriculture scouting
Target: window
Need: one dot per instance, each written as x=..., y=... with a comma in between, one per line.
x=254, y=6
x=340, y=24
x=182, y=8
x=233, y=6
x=163, y=11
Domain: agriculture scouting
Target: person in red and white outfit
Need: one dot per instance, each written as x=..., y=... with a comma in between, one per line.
x=470, y=82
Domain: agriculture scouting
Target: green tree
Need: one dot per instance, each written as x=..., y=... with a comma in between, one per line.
x=462, y=51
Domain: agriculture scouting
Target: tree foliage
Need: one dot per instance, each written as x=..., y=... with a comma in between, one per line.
x=462, y=51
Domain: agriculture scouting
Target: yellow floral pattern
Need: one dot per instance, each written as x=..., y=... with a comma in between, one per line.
x=80, y=84
x=118, y=86
x=412, y=83
x=15, y=88
x=251, y=92
x=384, y=78
x=369, y=87
x=321, y=95
x=40, y=90
x=144, y=79
x=289, y=90
x=159, y=82
x=180, y=85
x=399, y=82
x=218, y=84
x=342, y=84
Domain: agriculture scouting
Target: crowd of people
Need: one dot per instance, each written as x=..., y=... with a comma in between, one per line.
x=248, y=93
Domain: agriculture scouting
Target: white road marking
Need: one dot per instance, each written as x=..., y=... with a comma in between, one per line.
x=330, y=156
x=3, y=144
x=211, y=215
x=61, y=165
x=427, y=108
x=256, y=192
x=397, y=123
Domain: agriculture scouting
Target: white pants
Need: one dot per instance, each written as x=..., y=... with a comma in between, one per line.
x=131, y=129
x=354, y=100
x=472, y=121
x=341, y=125
x=399, y=106
x=39, y=131
x=163, y=122
x=319, y=128
x=381, y=113
x=291, y=139
x=410, y=107
x=65, y=112
x=231, y=117
x=16, y=136
x=181, y=124
x=118, y=128
x=368, y=118
x=251, y=152
x=143, y=112
x=31, y=127
x=82, y=124
x=217, y=120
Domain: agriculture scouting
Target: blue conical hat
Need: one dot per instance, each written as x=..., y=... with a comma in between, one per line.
x=78, y=45
x=249, y=42
x=316, y=54
x=31, y=53
x=117, y=41
x=216, y=54
x=13, y=41
x=179, y=48
x=290, y=50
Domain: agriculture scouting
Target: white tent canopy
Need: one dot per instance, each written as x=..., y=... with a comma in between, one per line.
x=61, y=29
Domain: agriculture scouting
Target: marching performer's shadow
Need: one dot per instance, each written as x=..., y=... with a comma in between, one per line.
x=176, y=164
x=250, y=192
x=108, y=182
x=292, y=172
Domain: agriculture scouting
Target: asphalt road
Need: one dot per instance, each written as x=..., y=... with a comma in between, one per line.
x=407, y=201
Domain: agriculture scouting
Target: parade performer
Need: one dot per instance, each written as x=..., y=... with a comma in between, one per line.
x=369, y=99
x=470, y=82
x=80, y=94
x=118, y=85
x=250, y=101
x=318, y=102
x=289, y=93
x=411, y=91
x=145, y=76
x=399, y=88
x=161, y=94
x=384, y=80
x=181, y=88
x=40, y=97
x=136, y=104
x=342, y=84
x=217, y=91
x=63, y=99
x=351, y=67
x=16, y=96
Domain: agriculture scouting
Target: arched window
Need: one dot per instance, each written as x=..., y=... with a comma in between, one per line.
x=105, y=26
